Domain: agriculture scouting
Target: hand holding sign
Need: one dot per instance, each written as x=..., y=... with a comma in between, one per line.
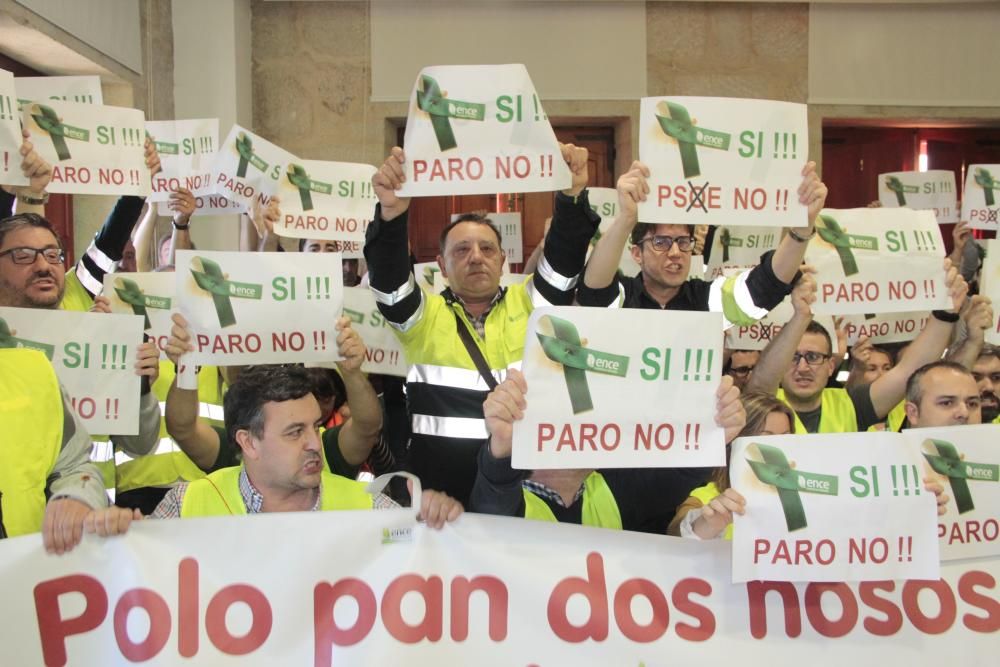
x=387, y=180
x=504, y=406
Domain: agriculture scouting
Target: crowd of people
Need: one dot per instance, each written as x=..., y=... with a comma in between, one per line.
x=276, y=438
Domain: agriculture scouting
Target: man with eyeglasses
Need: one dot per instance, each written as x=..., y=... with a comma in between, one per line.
x=663, y=253
x=740, y=366
x=800, y=359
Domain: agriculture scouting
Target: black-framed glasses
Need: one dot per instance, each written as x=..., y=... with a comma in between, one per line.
x=740, y=371
x=28, y=255
x=812, y=358
x=662, y=243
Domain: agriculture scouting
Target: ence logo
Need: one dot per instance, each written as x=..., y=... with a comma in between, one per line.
x=9, y=341
x=775, y=471
x=129, y=292
x=565, y=347
x=676, y=123
x=900, y=188
x=298, y=177
x=945, y=459
x=431, y=100
x=215, y=282
x=244, y=146
x=830, y=231
x=48, y=120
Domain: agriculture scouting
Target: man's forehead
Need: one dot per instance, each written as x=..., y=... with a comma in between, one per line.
x=291, y=411
x=947, y=381
x=28, y=235
x=813, y=342
x=470, y=232
x=670, y=230
x=986, y=364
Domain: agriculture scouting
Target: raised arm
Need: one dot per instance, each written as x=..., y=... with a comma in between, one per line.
x=603, y=264
x=978, y=317
x=792, y=249
x=362, y=430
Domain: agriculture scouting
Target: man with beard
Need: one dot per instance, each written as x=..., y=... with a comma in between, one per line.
x=986, y=372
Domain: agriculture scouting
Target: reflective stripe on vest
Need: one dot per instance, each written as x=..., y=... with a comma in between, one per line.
x=837, y=414
x=31, y=420
x=707, y=494
x=219, y=494
x=600, y=509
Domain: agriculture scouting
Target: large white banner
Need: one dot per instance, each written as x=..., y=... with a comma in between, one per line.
x=980, y=204
x=740, y=248
x=93, y=149
x=149, y=295
x=10, y=133
x=479, y=129
x=93, y=355
x=991, y=286
x=368, y=588
x=187, y=150
x=722, y=161
x=876, y=260
x=832, y=507
x=248, y=167
x=260, y=307
x=620, y=389
x=966, y=461
x=932, y=190
x=83, y=89
x=326, y=200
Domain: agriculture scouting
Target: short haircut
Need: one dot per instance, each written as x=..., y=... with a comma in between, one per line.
x=327, y=384
x=469, y=217
x=818, y=329
x=20, y=220
x=243, y=404
x=641, y=229
x=989, y=351
x=914, y=388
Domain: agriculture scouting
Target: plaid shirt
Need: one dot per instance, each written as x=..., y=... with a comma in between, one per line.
x=545, y=492
x=170, y=506
x=478, y=323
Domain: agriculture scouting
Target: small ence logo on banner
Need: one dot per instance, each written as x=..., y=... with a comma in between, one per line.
x=7, y=340
x=566, y=348
x=985, y=180
x=777, y=472
x=431, y=100
x=129, y=292
x=215, y=282
x=676, y=123
x=244, y=146
x=897, y=186
x=830, y=231
x=298, y=177
x=945, y=459
x=48, y=120
x=165, y=147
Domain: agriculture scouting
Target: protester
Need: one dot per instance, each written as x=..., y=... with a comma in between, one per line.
x=942, y=393
x=740, y=365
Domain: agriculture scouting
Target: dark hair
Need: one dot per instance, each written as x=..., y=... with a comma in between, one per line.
x=20, y=220
x=914, y=390
x=243, y=404
x=758, y=406
x=640, y=230
x=989, y=351
x=328, y=384
x=469, y=217
x=818, y=329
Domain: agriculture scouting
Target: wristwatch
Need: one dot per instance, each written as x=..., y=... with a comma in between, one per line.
x=181, y=227
x=25, y=198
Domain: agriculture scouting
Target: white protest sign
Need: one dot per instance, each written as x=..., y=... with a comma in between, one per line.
x=384, y=353
x=832, y=507
x=479, y=129
x=326, y=200
x=885, y=327
x=149, y=295
x=10, y=133
x=248, y=167
x=187, y=150
x=93, y=355
x=980, y=205
x=93, y=149
x=991, y=287
x=965, y=460
x=740, y=248
x=756, y=336
x=82, y=89
x=208, y=204
x=586, y=366
x=261, y=307
x=932, y=190
x=722, y=161
x=373, y=589
x=427, y=275
x=877, y=260
x=604, y=202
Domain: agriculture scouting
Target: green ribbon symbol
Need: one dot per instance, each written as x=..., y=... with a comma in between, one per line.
x=130, y=293
x=355, y=316
x=298, y=177
x=831, y=232
x=213, y=281
x=440, y=108
x=244, y=146
x=566, y=348
x=165, y=147
x=7, y=340
x=48, y=120
x=985, y=180
x=948, y=462
x=728, y=241
x=900, y=189
x=675, y=121
x=776, y=471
